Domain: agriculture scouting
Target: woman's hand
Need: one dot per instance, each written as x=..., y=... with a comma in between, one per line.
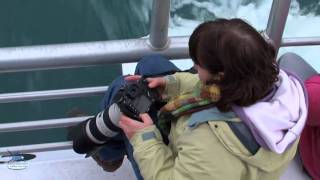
x=131, y=126
x=156, y=82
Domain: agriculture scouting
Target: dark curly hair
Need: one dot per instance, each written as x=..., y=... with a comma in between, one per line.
x=237, y=50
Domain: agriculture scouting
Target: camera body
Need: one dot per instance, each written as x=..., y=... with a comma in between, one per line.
x=136, y=98
x=132, y=99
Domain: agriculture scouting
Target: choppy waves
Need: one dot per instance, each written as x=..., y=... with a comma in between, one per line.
x=187, y=14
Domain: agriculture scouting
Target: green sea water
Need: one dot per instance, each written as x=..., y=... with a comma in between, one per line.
x=37, y=22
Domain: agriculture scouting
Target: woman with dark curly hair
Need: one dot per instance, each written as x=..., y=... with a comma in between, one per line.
x=240, y=117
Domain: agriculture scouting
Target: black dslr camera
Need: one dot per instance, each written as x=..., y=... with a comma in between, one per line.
x=132, y=99
x=136, y=98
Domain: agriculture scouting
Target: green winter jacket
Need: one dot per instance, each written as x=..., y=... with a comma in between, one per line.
x=202, y=147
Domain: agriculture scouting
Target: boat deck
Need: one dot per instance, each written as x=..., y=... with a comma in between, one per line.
x=66, y=165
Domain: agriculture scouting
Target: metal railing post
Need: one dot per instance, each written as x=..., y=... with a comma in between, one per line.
x=159, y=24
x=277, y=21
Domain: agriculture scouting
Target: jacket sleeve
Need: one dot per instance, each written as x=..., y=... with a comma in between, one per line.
x=179, y=83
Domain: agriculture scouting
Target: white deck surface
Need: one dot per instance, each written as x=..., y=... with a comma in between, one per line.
x=66, y=165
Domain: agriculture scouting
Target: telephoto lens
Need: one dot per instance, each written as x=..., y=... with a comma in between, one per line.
x=132, y=99
x=94, y=132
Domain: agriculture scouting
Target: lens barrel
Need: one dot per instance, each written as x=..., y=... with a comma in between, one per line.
x=97, y=130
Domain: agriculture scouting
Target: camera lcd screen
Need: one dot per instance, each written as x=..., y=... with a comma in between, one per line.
x=143, y=104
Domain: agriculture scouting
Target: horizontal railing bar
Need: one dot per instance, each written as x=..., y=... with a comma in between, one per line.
x=300, y=41
x=52, y=94
x=13, y=59
x=41, y=124
x=37, y=147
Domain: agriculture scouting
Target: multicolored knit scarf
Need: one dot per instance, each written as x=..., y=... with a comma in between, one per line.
x=203, y=97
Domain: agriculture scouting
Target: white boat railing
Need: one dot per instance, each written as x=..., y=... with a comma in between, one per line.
x=52, y=94
x=41, y=124
x=15, y=59
x=300, y=41
x=159, y=25
x=277, y=21
x=37, y=147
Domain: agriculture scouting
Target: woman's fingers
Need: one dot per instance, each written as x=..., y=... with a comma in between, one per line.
x=127, y=125
x=130, y=122
x=146, y=118
x=155, y=82
x=132, y=77
x=131, y=126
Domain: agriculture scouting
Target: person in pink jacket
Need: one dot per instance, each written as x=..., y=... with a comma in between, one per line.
x=310, y=138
